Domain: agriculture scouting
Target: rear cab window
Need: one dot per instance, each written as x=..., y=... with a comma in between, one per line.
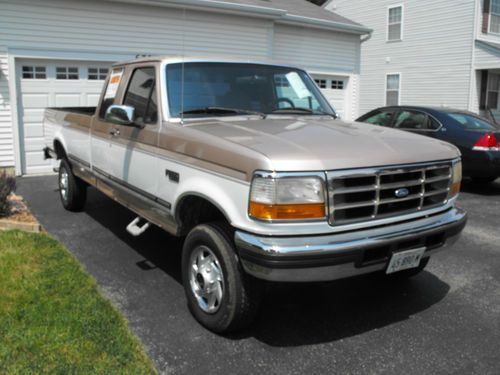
x=110, y=91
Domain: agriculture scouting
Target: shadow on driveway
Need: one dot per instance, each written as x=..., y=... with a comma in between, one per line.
x=291, y=314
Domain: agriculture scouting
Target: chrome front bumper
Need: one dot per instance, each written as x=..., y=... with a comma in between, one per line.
x=341, y=255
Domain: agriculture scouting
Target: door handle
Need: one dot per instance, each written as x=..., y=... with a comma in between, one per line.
x=114, y=132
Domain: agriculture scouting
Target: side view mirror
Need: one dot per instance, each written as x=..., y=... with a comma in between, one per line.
x=121, y=115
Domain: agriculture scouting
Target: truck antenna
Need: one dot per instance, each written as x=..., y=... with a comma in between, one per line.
x=182, y=66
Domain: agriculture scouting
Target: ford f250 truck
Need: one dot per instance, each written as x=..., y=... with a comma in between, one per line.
x=249, y=163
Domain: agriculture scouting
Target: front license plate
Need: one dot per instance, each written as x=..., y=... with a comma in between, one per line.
x=405, y=260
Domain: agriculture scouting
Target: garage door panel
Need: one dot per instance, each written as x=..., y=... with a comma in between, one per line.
x=68, y=100
x=37, y=94
x=93, y=99
x=35, y=100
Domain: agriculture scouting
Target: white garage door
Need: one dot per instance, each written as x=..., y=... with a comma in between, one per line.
x=334, y=88
x=52, y=83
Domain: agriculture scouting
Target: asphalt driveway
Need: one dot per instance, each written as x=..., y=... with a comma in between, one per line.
x=446, y=320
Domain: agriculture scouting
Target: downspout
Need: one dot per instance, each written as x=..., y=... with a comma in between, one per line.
x=472, y=77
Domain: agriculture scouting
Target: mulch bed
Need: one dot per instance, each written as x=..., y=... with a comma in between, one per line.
x=19, y=217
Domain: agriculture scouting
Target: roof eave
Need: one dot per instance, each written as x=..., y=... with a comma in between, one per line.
x=324, y=24
x=280, y=15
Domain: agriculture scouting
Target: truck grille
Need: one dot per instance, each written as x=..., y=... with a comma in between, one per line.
x=377, y=193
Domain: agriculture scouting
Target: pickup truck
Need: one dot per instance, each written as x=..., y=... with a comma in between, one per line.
x=250, y=164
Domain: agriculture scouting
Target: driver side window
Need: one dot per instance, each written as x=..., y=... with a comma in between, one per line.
x=141, y=95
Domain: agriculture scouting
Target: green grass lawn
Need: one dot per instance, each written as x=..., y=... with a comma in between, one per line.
x=53, y=319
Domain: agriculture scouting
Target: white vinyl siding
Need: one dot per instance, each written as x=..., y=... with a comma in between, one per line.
x=495, y=16
x=6, y=135
x=107, y=27
x=435, y=62
x=316, y=49
x=395, y=23
x=392, y=90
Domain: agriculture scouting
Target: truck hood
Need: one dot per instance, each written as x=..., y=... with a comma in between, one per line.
x=306, y=144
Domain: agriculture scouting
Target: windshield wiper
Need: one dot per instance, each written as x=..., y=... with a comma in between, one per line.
x=303, y=109
x=222, y=110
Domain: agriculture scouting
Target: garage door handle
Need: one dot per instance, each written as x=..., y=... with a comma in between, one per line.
x=114, y=132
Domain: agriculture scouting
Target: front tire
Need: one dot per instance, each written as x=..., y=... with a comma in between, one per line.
x=72, y=190
x=220, y=295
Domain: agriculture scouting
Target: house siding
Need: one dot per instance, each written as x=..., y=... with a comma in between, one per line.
x=434, y=57
x=128, y=29
x=6, y=136
x=319, y=49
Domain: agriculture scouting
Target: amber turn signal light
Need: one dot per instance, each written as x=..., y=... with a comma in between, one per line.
x=287, y=211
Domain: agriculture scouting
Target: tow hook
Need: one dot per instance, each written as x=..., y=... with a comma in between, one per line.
x=134, y=229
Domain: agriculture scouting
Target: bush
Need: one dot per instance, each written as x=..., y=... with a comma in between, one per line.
x=7, y=185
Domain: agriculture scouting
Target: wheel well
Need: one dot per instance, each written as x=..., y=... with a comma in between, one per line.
x=193, y=210
x=59, y=149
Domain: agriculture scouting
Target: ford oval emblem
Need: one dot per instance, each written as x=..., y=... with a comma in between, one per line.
x=402, y=193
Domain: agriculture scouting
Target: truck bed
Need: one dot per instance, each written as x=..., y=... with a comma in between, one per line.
x=77, y=118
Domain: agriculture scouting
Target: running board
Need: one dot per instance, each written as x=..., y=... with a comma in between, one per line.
x=134, y=229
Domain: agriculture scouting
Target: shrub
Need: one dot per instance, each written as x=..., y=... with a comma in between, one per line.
x=7, y=185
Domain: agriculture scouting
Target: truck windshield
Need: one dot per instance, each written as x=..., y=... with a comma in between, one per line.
x=224, y=89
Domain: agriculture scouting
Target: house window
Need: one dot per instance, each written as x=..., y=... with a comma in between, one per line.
x=337, y=85
x=495, y=17
x=34, y=72
x=281, y=81
x=66, y=72
x=97, y=73
x=395, y=24
x=321, y=83
x=392, y=89
x=493, y=88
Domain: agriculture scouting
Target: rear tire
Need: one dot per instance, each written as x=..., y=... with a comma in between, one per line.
x=220, y=295
x=72, y=190
x=483, y=180
x=406, y=274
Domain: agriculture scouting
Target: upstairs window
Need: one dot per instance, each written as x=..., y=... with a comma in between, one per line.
x=392, y=89
x=67, y=72
x=97, y=74
x=495, y=16
x=34, y=72
x=395, y=23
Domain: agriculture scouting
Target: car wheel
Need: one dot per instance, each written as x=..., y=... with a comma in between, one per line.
x=220, y=295
x=72, y=190
x=406, y=274
x=483, y=180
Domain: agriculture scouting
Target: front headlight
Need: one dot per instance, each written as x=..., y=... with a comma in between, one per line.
x=287, y=198
x=457, y=178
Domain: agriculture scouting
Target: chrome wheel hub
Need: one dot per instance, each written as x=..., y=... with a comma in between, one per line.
x=63, y=184
x=206, y=279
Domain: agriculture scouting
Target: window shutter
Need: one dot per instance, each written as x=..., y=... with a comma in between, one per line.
x=486, y=15
x=484, y=87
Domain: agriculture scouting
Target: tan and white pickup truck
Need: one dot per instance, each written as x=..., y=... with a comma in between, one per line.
x=249, y=162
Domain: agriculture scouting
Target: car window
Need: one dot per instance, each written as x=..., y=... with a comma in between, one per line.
x=110, y=91
x=413, y=120
x=382, y=118
x=472, y=122
x=141, y=95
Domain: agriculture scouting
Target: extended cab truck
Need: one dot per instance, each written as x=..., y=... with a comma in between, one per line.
x=249, y=162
